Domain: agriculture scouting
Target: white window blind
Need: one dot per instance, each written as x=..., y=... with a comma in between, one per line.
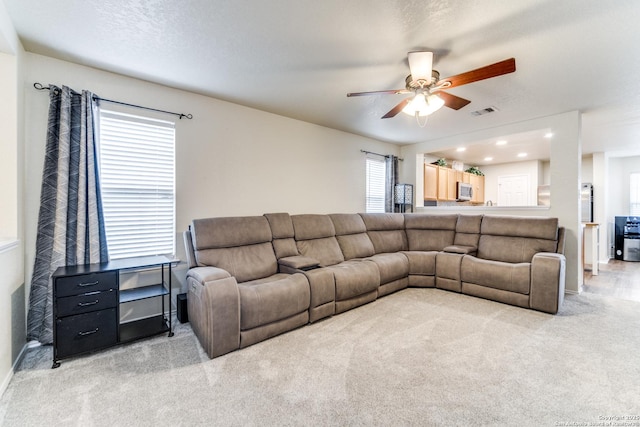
x=375, y=184
x=137, y=157
x=634, y=194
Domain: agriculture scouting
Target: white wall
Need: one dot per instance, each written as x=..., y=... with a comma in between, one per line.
x=9, y=147
x=12, y=290
x=492, y=173
x=230, y=160
x=565, y=165
x=618, y=186
x=587, y=169
x=546, y=173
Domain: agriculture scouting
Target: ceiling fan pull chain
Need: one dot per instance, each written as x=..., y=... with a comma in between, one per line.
x=420, y=122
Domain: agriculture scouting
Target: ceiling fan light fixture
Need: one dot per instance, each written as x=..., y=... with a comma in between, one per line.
x=420, y=64
x=423, y=105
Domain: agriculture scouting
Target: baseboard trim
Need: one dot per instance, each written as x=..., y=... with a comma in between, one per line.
x=9, y=376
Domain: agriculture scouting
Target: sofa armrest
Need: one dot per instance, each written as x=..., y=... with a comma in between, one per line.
x=299, y=262
x=460, y=249
x=547, y=282
x=213, y=302
x=207, y=274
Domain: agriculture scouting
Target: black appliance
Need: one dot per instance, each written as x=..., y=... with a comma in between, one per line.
x=181, y=308
x=627, y=238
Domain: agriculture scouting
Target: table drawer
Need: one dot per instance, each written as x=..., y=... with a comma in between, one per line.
x=86, y=332
x=84, y=303
x=75, y=285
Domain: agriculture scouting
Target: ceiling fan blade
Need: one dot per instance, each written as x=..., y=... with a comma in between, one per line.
x=379, y=92
x=499, y=68
x=395, y=110
x=452, y=101
x=420, y=64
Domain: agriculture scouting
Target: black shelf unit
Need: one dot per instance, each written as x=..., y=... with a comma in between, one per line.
x=131, y=331
x=87, y=300
x=143, y=292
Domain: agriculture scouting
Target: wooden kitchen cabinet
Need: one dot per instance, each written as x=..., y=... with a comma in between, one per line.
x=477, y=181
x=443, y=183
x=452, y=180
x=430, y=182
x=440, y=184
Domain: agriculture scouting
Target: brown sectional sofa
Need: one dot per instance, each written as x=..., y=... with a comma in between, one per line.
x=251, y=278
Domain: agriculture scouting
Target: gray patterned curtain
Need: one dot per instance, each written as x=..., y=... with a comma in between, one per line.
x=391, y=163
x=70, y=223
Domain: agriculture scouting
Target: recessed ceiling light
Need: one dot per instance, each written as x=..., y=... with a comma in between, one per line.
x=459, y=149
x=501, y=142
x=548, y=135
x=522, y=154
x=488, y=159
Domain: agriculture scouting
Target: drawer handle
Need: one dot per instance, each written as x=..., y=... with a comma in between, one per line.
x=86, y=304
x=83, y=334
x=82, y=285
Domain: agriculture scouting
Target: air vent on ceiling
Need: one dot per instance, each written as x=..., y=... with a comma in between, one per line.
x=484, y=111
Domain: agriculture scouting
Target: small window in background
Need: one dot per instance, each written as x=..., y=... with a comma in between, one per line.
x=375, y=184
x=137, y=169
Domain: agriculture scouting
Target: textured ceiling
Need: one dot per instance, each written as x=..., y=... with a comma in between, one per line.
x=299, y=58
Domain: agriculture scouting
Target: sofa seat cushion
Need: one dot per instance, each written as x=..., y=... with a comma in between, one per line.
x=512, y=277
x=422, y=263
x=273, y=298
x=391, y=266
x=354, y=278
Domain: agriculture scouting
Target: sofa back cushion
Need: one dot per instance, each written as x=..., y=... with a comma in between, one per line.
x=386, y=231
x=468, y=230
x=430, y=232
x=315, y=238
x=282, y=230
x=239, y=245
x=352, y=237
x=516, y=239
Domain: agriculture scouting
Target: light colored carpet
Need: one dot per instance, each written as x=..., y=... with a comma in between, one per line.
x=417, y=357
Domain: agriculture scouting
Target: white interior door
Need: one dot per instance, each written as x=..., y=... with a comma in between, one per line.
x=513, y=190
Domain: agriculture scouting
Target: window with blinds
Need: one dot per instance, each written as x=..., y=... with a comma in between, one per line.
x=375, y=184
x=634, y=194
x=137, y=164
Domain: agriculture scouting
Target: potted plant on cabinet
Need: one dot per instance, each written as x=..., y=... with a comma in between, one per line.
x=474, y=170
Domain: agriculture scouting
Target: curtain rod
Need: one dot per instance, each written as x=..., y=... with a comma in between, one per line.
x=378, y=154
x=39, y=86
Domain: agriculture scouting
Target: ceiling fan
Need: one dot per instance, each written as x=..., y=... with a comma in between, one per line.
x=429, y=89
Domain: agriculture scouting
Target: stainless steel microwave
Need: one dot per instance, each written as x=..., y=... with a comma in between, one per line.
x=465, y=192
